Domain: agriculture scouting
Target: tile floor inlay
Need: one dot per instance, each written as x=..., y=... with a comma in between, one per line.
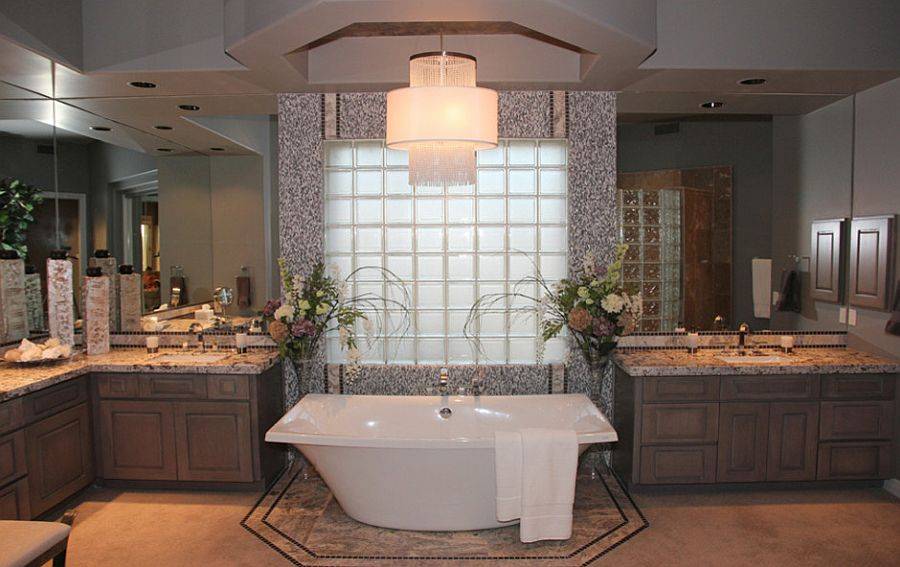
x=299, y=519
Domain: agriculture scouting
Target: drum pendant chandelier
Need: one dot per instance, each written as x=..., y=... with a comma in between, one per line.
x=442, y=119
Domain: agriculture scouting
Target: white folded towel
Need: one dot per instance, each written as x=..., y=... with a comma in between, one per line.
x=762, y=288
x=535, y=476
x=508, y=474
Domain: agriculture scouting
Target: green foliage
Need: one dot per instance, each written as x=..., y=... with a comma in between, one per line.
x=17, y=203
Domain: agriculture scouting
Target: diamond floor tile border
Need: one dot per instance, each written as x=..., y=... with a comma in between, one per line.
x=300, y=519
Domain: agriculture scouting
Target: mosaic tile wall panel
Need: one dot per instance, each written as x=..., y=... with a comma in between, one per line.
x=590, y=126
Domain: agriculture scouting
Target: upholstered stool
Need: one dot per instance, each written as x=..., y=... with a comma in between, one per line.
x=31, y=544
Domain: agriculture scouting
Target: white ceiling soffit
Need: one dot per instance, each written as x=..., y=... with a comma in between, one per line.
x=689, y=103
x=566, y=43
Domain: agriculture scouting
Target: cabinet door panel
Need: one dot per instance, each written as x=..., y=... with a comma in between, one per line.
x=679, y=423
x=214, y=441
x=854, y=460
x=825, y=261
x=14, y=501
x=60, y=457
x=743, y=442
x=871, y=243
x=856, y=420
x=12, y=457
x=793, y=441
x=678, y=465
x=138, y=440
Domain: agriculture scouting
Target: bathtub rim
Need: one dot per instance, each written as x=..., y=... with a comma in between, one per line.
x=280, y=432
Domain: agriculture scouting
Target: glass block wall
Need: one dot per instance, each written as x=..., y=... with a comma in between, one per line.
x=449, y=244
x=651, y=226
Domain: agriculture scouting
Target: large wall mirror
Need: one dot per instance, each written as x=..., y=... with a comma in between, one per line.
x=718, y=210
x=180, y=190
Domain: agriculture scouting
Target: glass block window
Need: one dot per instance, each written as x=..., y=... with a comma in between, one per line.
x=651, y=226
x=450, y=245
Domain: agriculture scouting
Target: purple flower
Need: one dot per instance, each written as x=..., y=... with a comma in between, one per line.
x=603, y=327
x=271, y=306
x=303, y=328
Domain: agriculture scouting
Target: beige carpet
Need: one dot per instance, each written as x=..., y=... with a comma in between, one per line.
x=852, y=527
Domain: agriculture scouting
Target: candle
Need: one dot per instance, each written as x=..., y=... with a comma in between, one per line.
x=787, y=343
x=693, y=341
x=152, y=344
x=240, y=341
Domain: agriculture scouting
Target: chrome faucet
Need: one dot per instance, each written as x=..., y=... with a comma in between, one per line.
x=743, y=331
x=198, y=329
x=444, y=381
x=477, y=383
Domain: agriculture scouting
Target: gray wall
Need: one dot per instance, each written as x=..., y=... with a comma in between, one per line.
x=812, y=170
x=876, y=191
x=747, y=147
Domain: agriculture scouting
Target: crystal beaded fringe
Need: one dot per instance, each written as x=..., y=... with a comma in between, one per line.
x=441, y=163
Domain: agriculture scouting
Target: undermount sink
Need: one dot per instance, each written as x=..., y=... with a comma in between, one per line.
x=198, y=357
x=766, y=359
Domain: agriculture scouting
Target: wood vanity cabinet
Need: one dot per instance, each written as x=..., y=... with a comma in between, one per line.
x=184, y=428
x=766, y=428
x=46, y=449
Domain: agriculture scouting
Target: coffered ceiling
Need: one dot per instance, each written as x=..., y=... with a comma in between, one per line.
x=230, y=57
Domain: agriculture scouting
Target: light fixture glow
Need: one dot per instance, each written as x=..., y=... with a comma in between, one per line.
x=442, y=119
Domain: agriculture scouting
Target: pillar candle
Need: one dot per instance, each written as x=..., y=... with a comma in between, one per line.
x=96, y=314
x=129, y=302
x=34, y=302
x=13, y=315
x=108, y=268
x=60, y=315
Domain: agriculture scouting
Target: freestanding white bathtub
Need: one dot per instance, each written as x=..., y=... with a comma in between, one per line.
x=393, y=461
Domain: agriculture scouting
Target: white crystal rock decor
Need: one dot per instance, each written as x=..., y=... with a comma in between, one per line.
x=60, y=313
x=34, y=302
x=129, y=302
x=96, y=318
x=13, y=316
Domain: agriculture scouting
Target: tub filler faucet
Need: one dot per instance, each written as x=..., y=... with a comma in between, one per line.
x=444, y=381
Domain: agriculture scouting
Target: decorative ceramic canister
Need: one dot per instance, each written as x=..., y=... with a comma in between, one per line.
x=34, y=299
x=129, y=299
x=13, y=316
x=60, y=312
x=96, y=311
x=107, y=264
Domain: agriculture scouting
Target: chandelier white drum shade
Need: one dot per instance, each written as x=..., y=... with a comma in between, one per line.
x=442, y=119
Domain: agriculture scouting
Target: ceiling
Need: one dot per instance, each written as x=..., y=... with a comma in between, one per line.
x=231, y=57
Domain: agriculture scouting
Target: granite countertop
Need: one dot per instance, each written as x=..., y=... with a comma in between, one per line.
x=677, y=362
x=17, y=380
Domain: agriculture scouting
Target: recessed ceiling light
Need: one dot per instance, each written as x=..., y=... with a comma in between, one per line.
x=188, y=107
x=752, y=81
x=164, y=149
x=142, y=84
x=713, y=104
x=217, y=149
x=162, y=127
x=101, y=128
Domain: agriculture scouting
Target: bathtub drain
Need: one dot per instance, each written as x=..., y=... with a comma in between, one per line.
x=445, y=413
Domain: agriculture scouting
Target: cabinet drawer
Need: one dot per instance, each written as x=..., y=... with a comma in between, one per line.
x=14, y=501
x=679, y=423
x=12, y=415
x=858, y=386
x=770, y=387
x=228, y=387
x=117, y=385
x=12, y=457
x=856, y=420
x=54, y=399
x=849, y=461
x=172, y=386
x=681, y=389
x=678, y=465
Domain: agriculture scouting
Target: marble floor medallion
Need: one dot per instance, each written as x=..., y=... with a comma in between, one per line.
x=299, y=519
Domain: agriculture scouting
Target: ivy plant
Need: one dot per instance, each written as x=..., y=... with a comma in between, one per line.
x=17, y=203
